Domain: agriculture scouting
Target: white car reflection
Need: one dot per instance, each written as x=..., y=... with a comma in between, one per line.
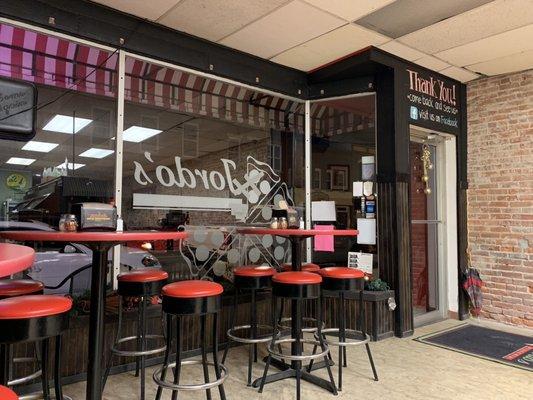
x=65, y=267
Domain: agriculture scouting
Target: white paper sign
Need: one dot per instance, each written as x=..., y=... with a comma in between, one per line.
x=361, y=261
x=367, y=230
x=323, y=211
x=357, y=189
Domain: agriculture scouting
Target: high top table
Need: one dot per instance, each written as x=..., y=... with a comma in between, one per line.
x=99, y=243
x=15, y=258
x=296, y=237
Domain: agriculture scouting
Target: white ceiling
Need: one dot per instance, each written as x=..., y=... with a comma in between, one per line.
x=493, y=38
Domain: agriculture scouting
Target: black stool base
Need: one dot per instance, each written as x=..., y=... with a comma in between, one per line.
x=288, y=372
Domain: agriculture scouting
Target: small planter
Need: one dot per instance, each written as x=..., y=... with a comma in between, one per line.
x=381, y=317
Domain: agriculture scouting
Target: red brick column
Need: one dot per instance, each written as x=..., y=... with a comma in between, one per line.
x=500, y=195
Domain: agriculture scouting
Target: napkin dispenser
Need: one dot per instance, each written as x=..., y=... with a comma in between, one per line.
x=96, y=216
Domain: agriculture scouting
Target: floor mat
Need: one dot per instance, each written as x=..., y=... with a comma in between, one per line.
x=503, y=347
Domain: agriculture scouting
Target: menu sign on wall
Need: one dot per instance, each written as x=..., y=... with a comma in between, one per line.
x=433, y=102
x=17, y=110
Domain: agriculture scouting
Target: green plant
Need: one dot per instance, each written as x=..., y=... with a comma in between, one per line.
x=376, y=285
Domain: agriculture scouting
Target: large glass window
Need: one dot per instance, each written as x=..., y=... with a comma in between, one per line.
x=210, y=156
x=71, y=159
x=343, y=173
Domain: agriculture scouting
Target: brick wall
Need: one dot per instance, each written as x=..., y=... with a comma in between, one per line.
x=500, y=195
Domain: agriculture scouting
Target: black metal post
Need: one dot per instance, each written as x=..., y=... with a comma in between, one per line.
x=57, y=370
x=45, y=349
x=203, y=346
x=215, y=356
x=96, y=322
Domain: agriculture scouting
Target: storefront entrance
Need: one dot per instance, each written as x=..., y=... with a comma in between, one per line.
x=430, y=169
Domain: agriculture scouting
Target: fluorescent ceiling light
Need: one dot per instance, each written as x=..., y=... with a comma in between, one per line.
x=63, y=124
x=20, y=161
x=71, y=166
x=41, y=147
x=93, y=152
x=137, y=134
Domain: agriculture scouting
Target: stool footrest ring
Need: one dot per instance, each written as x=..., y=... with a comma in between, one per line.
x=27, y=378
x=308, y=329
x=199, y=386
x=137, y=353
x=363, y=337
x=275, y=353
x=231, y=333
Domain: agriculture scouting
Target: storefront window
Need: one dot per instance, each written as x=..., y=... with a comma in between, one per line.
x=210, y=156
x=71, y=159
x=343, y=177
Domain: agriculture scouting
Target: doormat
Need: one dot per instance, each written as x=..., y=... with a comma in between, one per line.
x=490, y=344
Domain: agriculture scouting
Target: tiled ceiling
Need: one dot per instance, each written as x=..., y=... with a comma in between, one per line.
x=463, y=39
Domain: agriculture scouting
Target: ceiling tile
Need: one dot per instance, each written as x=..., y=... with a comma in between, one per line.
x=329, y=47
x=460, y=74
x=493, y=18
x=504, y=65
x=501, y=45
x=288, y=26
x=401, y=50
x=350, y=9
x=151, y=10
x=432, y=63
x=406, y=16
x=215, y=19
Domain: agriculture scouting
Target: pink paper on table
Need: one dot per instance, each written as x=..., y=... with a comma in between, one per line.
x=324, y=242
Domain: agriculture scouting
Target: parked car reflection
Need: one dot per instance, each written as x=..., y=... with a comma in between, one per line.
x=66, y=267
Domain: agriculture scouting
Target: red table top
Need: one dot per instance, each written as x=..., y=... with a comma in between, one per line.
x=297, y=232
x=84, y=237
x=15, y=258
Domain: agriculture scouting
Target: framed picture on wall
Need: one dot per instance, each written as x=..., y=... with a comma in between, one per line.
x=340, y=174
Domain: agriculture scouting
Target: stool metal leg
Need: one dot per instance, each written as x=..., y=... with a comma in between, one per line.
x=253, y=315
x=45, y=346
x=167, y=354
x=57, y=370
x=143, y=345
x=203, y=346
x=119, y=329
x=139, y=336
x=177, y=369
x=232, y=323
x=6, y=364
x=342, y=335
x=323, y=343
x=215, y=356
x=297, y=332
x=275, y=313
x=367, y=346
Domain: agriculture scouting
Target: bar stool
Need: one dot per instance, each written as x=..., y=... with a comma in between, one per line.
x=307, y=267
x=7, y=394
x=297, y=286
x=253, y=279
x=33, y=318
x=13, y=288
x=141, y=283
x=339, y=281
x=191, y=298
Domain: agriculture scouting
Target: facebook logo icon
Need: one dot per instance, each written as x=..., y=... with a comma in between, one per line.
x=414, y=112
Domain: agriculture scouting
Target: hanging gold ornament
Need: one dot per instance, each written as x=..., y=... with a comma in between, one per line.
x=427, y=165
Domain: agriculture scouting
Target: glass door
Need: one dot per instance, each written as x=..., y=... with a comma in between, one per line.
x=425, y=224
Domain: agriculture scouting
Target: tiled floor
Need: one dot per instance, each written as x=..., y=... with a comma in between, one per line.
x=407, y=370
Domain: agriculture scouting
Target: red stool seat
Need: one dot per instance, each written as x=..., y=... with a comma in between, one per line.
x=297, y=278
x=341, y=273
x=24, y=307
x=192, y=289
x=143, y=275
x=307, y=267
x=7, y=394
x=251, y=271
x=19, y=287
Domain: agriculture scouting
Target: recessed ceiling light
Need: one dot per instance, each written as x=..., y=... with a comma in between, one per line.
x=41, y=147
x=93, y=152
x=71, y=166
x=63, y=124
x=20, y=161
x=137, y=134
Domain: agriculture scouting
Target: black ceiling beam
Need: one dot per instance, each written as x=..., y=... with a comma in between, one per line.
x=94, y=22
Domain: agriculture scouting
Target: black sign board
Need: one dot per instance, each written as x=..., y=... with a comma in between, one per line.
x=433, y=101
x=18, y=101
